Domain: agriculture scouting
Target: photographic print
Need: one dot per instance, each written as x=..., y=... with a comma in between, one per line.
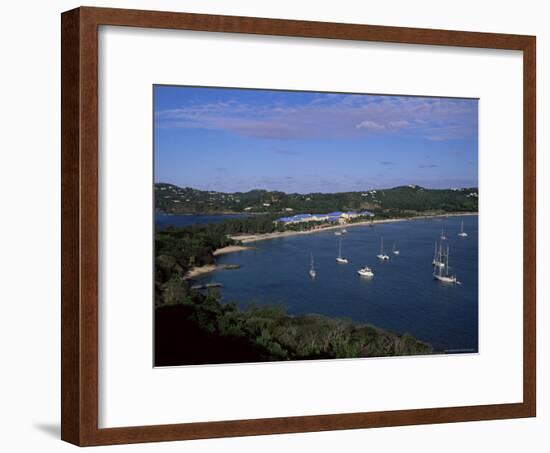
x=294, y=225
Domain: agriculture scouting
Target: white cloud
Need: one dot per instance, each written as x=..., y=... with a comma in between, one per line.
x=370, y=125
x=399, y=123
x=325, y=115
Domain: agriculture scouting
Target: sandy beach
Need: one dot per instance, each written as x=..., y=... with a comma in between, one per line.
x=231, y=249
x=201, y=270
x=249, y=238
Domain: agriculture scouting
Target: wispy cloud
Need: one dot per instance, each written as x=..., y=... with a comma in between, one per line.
x=370, y=125
x=428, y=166
x=399, y=123
x=387, y=163
x=328, y=116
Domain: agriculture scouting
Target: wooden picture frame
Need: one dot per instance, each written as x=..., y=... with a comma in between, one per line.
x=79, y=137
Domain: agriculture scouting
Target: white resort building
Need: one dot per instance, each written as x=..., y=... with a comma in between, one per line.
x=335, y=217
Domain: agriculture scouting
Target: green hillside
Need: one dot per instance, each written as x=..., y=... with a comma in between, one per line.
x=171, y=199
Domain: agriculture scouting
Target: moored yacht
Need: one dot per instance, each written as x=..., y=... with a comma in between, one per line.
x=340, y=259
x=382, y=256
x=439, y=274
x=312, y=272
x=365, y=272
x=394, y=250
x=462, y=233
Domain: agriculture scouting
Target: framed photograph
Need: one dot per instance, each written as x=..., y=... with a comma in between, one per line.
x=274, y=226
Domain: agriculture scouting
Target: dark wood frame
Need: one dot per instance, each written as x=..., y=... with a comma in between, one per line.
x=79, y=170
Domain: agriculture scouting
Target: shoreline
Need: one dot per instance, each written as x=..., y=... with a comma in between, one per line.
x=231, y=249
x=250, y=238
x=199, y=271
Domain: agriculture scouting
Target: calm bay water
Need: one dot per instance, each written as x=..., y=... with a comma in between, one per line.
x=402, y=296
x=164, y=220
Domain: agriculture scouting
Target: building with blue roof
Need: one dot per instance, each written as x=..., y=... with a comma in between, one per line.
x=337, y=216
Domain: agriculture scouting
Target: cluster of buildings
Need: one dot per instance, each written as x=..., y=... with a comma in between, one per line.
x=336, y=217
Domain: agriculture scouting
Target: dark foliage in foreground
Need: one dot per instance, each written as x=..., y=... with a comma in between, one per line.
x=201, y=330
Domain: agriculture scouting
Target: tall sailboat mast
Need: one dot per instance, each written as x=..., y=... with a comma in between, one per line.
x=443, y=257
x=312, y=272
x=382, y=255
x=340, y=258
x=395, y=251
x=438, y=261
x=462, y=233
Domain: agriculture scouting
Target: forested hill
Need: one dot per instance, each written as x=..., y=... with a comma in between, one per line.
x=172, y=199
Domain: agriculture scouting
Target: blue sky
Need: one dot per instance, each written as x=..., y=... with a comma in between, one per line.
x=233, y=140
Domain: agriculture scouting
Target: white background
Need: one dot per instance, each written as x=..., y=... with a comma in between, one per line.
x=131, y=60
x=30, y=241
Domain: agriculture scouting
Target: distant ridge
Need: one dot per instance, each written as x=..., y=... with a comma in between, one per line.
x=171, y=199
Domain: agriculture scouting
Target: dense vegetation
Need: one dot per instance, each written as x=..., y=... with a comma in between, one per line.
x=179, y=250
x=176, y=200
x=194, y=327
x=199, y=330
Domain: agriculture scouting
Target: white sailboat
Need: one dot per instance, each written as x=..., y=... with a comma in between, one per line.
x=340, y=259
x=337, y=233
x=437, y=261
x=382, y=256
x=312, y=272
x=439, y=274
x=462, y=233
x=443, y=237
x=394, y=250
x=344, y=231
